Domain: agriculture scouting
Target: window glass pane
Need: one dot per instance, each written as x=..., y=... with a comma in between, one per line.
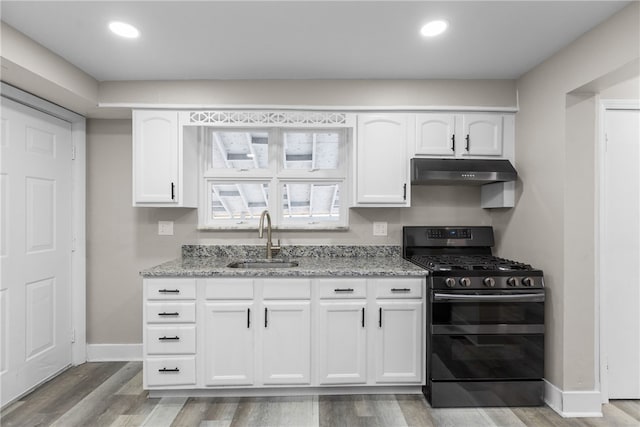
x=312, y=150
x=311, y=202
x=238, y=201
x=233, y=149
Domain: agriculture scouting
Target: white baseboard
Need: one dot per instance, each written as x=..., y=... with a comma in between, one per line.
x=114, y=352
x=573, y=404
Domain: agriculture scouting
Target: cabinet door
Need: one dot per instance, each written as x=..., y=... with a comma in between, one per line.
x=341, y=342
x=382, y=163
x=482, y=135
x=398, y=344
x=286, y=342
x=155, y=156
x=229, y=343
x=435, y=134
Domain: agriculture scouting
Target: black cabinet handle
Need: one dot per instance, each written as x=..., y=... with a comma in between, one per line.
x=164, y=313
x=380, y=317
x=173, y=191
x=165, y=338
x=168, y=370
x=363, y=317
x=248, y=318
x=343, y=290
x=400, y=290
x=453, y=142
x=467, y=145
x=266, y=322
x=404, y=195
x=169, y=291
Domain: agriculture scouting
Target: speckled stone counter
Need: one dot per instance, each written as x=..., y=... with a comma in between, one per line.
x=313, y=261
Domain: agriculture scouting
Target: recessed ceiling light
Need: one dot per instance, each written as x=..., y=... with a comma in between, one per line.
x=434, y=28
x=124, y=30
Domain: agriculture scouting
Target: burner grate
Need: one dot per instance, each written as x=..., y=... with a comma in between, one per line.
x=468, y=262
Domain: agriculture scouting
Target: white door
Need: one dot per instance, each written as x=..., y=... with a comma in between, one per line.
x=286, y=342
x=229, y=343
x=398, y=342
x=35, y=248
x=620, y=251
x=342, y=343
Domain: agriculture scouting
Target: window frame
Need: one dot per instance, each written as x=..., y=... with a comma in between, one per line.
x=276, y=174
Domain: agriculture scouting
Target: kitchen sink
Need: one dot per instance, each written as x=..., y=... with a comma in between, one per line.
x=263, y=263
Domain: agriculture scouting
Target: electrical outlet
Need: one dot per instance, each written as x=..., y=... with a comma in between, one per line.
x=380, y=228
x=165, y=228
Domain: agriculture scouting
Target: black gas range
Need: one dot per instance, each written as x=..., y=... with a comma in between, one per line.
x=485, y=325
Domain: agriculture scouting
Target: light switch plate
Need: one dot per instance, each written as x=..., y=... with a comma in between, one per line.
x=165, y=228
x=380, y=228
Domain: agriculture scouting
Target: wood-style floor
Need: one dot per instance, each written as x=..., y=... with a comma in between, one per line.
x=110, y=394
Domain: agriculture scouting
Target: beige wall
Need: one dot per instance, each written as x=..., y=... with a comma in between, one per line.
x=122, y=240
x=329, y=93
x=553, y=223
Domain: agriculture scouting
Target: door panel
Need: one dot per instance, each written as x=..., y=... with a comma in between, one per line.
x=35, y=180
x=620, y=252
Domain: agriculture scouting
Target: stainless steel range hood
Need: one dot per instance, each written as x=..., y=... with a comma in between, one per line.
x=460, y=171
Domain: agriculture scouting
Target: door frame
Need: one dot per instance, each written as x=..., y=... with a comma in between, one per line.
x=78, y=211
x=601, y=295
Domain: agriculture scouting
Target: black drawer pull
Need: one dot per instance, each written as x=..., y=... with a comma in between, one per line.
x=266, y=321
x=343, y=290
x=248, y=318
x=400, y=290
x=163, y=370
x=169, y=291
x=363, y=317
x=164, y=313
x=165, y=338
x=380, y=317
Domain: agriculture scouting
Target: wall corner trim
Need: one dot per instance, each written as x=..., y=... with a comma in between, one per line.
x=573, y=404
x=114, y=352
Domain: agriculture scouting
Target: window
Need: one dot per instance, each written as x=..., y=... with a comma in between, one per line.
x=299, y=175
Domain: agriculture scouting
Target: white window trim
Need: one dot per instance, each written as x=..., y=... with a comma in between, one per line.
x=276, y=174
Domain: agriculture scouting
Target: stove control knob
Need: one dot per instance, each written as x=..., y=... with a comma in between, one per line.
x=465, y=281
x=528, y=281
x=489, y=282
x=512, y=281
x=450, y=282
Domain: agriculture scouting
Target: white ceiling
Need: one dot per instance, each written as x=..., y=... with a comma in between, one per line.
x=306, y=39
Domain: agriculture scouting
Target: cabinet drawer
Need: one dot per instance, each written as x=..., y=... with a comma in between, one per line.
x=170, y=371
x=171, y=339
x=171, y=312
x=399, y=288
x=341, y=288
x=173, y=289
x=228, y=289
x=287, y=289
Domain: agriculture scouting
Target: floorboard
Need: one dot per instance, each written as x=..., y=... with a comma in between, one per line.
x=111, y=395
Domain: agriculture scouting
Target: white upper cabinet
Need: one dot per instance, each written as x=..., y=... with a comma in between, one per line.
x=459, y=135
x=482, y=134
x=436, y=134
x=159, y=154
x=382, y=164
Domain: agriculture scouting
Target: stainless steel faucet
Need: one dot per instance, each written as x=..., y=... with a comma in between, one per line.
x=270, y=247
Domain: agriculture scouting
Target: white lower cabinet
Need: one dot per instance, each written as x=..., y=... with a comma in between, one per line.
x=228, y=343
x=398, y=343
x=342, y=342
x=286, y=342
x=297, y=332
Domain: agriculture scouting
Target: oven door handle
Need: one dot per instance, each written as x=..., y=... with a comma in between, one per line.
x=441, y=297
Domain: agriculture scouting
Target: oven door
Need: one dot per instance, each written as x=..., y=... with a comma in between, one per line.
x=487, y=336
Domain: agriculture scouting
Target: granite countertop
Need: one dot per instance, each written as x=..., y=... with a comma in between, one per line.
x=343, y=261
